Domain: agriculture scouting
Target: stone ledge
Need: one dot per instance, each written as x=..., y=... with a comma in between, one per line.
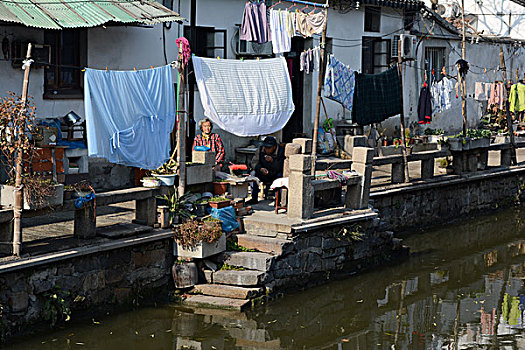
x=34, y=261
x=452, y=180
x=344, y=219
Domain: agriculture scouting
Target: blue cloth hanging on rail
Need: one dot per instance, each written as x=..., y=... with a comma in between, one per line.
x=130, y=115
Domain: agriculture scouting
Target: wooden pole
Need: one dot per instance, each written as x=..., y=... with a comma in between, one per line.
x=181, y=127
x=461, y=78
x=507, y=108
x=402, y=116
x=17, y=214
x=319, y=88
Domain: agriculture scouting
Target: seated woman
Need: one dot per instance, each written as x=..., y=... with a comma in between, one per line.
x=213, y=141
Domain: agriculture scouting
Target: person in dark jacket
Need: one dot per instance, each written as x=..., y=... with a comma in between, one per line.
x=267, y=164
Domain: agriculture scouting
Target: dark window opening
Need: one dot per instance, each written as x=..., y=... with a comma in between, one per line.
x=434, y=63
x=376, y=55
x=62, y=78
x=372, y=19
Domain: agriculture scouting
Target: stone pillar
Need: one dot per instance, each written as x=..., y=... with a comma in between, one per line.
x=305, y=143
x=352, y=142
x=300, y=190
x=146, y=211
x=85, y=221
x=398, y=173
x=505, y=157
x=6, y=233
x=362, y=159
x=427, y=168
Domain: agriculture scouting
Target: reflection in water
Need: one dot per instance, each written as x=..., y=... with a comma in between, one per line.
x=462, y=288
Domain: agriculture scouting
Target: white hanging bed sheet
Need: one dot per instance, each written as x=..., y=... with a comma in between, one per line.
x=245, y=98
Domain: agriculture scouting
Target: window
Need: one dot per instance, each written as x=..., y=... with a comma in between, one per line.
x=375, y=55
x=62, y=78
x=207, y=41
x=434, y=63
x=372, y=19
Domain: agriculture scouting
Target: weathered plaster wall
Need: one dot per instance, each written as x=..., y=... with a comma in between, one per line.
x=441, y=201
x=98, y=281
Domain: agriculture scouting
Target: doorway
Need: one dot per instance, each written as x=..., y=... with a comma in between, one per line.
x=294, y=127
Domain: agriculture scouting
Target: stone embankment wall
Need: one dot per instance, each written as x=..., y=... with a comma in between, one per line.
x=438, y=202
x=105, y=279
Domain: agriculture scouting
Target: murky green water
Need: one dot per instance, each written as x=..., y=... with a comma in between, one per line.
x=462, y=288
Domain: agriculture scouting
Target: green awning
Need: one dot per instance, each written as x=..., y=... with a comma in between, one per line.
x=60, y=14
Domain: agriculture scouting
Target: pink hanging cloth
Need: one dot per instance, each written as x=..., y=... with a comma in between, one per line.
x=186, y=50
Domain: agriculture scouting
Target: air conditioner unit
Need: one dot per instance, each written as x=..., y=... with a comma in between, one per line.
x=408, y=46
x=249, y=48
x=395, y=47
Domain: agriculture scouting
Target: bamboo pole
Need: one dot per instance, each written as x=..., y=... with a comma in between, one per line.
x=507, y=108
x=181, y=127
x=461, y=78
x=319, y=88
x=402, y=116
x=17, y=214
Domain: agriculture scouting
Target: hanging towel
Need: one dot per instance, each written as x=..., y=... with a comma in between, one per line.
x=480, y=91
x=245, y=98
x=308, y=24
x=281, y=39
x=130, y=115
x=376, y=97
x=339, y=82
x=254, y=26
x=424, y=107
x=497, y=96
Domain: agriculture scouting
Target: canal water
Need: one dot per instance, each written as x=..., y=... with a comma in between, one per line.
x=461, y=288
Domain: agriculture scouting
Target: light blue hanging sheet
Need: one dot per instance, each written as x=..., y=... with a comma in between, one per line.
x=130, y=115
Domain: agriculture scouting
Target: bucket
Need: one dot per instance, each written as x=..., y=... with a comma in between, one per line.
x=166, y=180
x=150, y=182
x=220, y=188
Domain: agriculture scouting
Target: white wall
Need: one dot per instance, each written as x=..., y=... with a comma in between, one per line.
x=493, y=16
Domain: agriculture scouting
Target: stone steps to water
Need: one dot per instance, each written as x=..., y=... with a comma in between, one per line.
x=275, y=246
x=198, y=300
x=242, y=278
x=248, y=260
x=226, y=291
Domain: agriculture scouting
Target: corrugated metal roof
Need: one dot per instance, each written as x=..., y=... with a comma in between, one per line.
x=60, y=14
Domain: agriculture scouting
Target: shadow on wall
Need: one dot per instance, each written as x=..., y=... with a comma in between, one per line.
x=105, y=176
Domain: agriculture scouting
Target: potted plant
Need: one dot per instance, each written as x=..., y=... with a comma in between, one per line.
x=200, y=207
x=166, y=173
x=219, y=202
x=17, y=147
x=176, y=207
x=220, y=187
x=193, y=240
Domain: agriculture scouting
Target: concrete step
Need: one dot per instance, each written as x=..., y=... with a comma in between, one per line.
x=245, y=278
x=225, y=291
x=270, y=245
x=264, y=223
x=216, y=302
x=248, y=260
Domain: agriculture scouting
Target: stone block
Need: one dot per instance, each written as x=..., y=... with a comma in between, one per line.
x=219, y=290
x=6, y=236
x=198, y=174
x=146, y=211
x=427, y=168
x=286, y=168
x=300, y=196
x=300, y=163
x=363, y=155
x=351, y=142
x=506, y=157
x=361, y=195
x=203, y=157
x=249, y=260
x=305, y=143
x=292, y=148
x=239, y=190
x=18, y=302
x=245, y=278
x=85, y=225
x=472, y=162
x=398, y=173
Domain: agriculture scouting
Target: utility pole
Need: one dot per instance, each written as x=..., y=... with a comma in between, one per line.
x=402, y=116
x=19, y=200
x=461, y=78
x=507, y=108
x=319, y=88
